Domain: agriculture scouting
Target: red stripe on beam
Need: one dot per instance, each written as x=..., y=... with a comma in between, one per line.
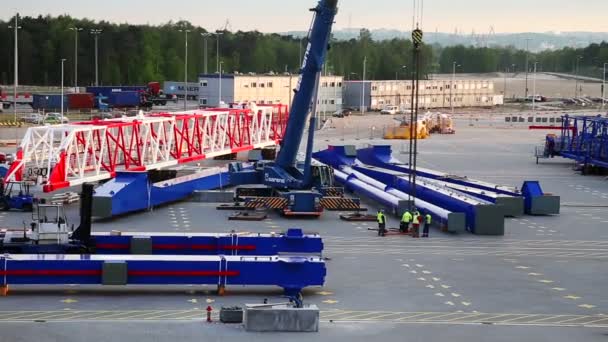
x=51, y=273
x=183, y=273
x=192, y=159
x=203, y=247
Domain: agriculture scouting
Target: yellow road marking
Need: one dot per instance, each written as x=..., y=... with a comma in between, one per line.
x=362, y=315
x=587, y=306
x=336, y=314
x=382, y=316
x=598, y=320
x=522, y=316
x=416, y=315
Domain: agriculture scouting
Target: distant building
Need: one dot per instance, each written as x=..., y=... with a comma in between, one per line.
x=376, y=95
x=265, y=89
x=177, y=88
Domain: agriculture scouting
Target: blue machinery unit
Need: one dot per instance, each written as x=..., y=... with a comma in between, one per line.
x=584, y=139
x=292, y=273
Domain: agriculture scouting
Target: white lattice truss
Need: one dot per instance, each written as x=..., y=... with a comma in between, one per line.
x=65, y=155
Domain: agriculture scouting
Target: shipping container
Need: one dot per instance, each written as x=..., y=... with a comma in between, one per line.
x=49, y=102
x=124, y=99
x=81, y=101
x=106, y=91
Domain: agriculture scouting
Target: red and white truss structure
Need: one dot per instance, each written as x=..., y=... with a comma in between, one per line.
x=60, y=156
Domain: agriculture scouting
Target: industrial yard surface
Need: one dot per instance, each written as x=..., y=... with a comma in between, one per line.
x=545, y=280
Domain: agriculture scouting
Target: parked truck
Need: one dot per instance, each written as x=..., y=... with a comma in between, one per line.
x=130, y=96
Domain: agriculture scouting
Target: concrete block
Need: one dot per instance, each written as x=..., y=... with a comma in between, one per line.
x=213, y=196
x=545, y=205
x=141, y=245
x=457, y=223
x=231, y=315
x=114, y=273
x=489, y=220
x=513, y=206
x=281, y=318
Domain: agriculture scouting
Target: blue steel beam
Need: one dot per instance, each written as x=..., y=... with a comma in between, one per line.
x=482, y=217
x=290, y=273
x=293, y=241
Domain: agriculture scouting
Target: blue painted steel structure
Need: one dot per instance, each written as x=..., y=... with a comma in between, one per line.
x=292, y=273
x=301, y=185
x=397, y=200
x=132, y=191
x=381, y=156
x=294, y=241
x=585, y=139
x=482, y=217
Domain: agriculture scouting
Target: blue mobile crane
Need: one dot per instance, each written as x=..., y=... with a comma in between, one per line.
x=301, y=186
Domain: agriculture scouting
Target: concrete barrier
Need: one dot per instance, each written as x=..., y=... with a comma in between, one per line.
x=281, y=318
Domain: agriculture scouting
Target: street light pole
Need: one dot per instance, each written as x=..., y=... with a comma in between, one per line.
x=205, y=35
x=62, y=78
x=534, y=88
x=527, y=67
x=604, y=88
x=217, y=51
x=219, y=102
x=16, y=27
x=76, y=30
x=363, y=86
x=96, y=33
x=185, y=67
x=576, y=93
x=454, y=65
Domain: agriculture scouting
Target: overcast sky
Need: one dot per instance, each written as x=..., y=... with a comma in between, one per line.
x=287, y=15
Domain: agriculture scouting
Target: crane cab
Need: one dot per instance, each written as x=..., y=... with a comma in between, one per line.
x=49, y=225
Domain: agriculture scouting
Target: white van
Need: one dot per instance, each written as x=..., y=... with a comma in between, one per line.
x=390, y=110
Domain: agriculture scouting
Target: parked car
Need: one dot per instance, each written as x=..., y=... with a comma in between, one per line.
x=56, y=118
x=34, y=118
x=536, y=98
x=342, y=113
x=390, y=110
x=103, y=115
x=569, y=102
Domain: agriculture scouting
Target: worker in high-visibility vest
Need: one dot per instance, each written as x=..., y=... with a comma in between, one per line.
x=381, y=223
x=416, y=224
x=427, y=225
x=406, y=219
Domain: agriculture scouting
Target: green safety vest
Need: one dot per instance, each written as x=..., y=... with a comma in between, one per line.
x=380, y=217
x=416, y=218
x=407, y=217
x=428, y=219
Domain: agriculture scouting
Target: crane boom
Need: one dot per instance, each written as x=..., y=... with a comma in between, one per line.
x=312, y=64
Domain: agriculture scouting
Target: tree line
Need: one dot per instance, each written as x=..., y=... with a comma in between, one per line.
x=136, y=54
